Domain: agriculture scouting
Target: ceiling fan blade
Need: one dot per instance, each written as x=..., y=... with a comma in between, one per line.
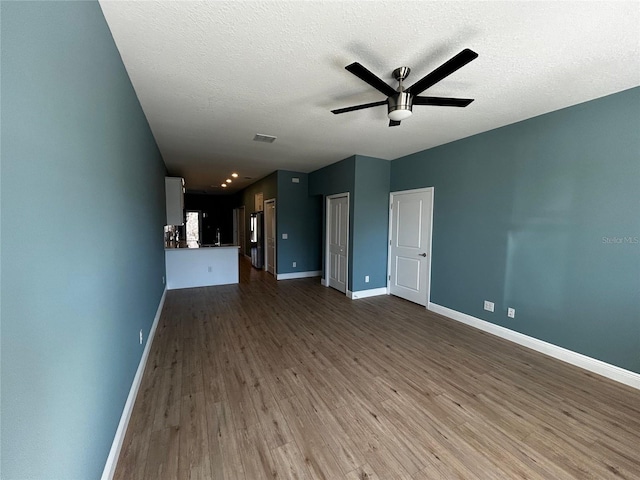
x=363, y=74
x=394, y=123
x=359, y=107
x=442, y=101
x=443, y=71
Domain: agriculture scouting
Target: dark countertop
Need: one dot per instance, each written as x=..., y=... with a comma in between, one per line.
x=197, y=247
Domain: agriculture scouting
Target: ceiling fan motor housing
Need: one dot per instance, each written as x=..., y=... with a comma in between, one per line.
x=400, y=106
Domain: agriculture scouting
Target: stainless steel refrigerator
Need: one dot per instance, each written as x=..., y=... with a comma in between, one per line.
x=256, y=226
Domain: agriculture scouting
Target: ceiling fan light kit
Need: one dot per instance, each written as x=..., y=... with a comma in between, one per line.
x=399, y=101
x=400, y=106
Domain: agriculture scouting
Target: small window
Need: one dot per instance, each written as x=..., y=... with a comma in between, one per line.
x=193, y=227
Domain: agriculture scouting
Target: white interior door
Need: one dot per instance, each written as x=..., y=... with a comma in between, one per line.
x=270, y=235
x=337, y=241
x=410, y=245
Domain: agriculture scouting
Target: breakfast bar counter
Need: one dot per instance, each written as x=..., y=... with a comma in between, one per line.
x=202, y=266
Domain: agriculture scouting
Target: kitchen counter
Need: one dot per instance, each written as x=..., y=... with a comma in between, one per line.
x=201, y=266
x=196, y=247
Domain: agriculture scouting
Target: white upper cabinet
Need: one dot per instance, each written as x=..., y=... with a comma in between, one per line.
x=174, y=189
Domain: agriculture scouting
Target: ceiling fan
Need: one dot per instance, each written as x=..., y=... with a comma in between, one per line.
x=400, y=101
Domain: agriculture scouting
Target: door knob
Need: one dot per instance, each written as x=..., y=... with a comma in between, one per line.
x=422, y=254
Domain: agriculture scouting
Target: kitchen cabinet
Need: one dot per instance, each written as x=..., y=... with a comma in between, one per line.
x=201, y=266
x=174, y=191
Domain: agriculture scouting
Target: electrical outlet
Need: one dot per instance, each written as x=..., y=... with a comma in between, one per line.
x=366, y=279
x=295, y=263
x=285, y=236
x=488, y=306
x=163, y=279
x=140, y=336
x=511, y=312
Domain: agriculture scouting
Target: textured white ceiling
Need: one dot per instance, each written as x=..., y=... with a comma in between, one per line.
x=210, y=75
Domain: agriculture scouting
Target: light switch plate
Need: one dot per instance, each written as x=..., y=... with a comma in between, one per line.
x=285, y=236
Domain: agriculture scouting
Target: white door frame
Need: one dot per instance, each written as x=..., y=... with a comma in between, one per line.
x=275, y=238
x=325, y=280
x=429, y=190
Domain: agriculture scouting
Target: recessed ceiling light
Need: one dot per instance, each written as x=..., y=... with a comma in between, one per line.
x=223, y=185
x=234, y=175
x=228, y=180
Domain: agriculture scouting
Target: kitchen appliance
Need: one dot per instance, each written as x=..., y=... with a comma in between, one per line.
x=256, y=226
x=173, y=237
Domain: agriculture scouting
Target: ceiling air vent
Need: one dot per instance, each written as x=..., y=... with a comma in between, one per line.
x=264, y=138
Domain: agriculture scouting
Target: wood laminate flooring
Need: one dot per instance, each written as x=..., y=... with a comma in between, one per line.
x=292, y=380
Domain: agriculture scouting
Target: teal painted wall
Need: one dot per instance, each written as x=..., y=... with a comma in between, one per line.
x=370, y=224
x=299, y=215
x=82, y=256
x=542, y=216
x=269, y=188
x=336, y=178
x=367, y=181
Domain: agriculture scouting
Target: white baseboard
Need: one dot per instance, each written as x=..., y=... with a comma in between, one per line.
x=373, y=292
x=324, y=282
x=289, y=276
x=116, y=446
x=607, y=370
